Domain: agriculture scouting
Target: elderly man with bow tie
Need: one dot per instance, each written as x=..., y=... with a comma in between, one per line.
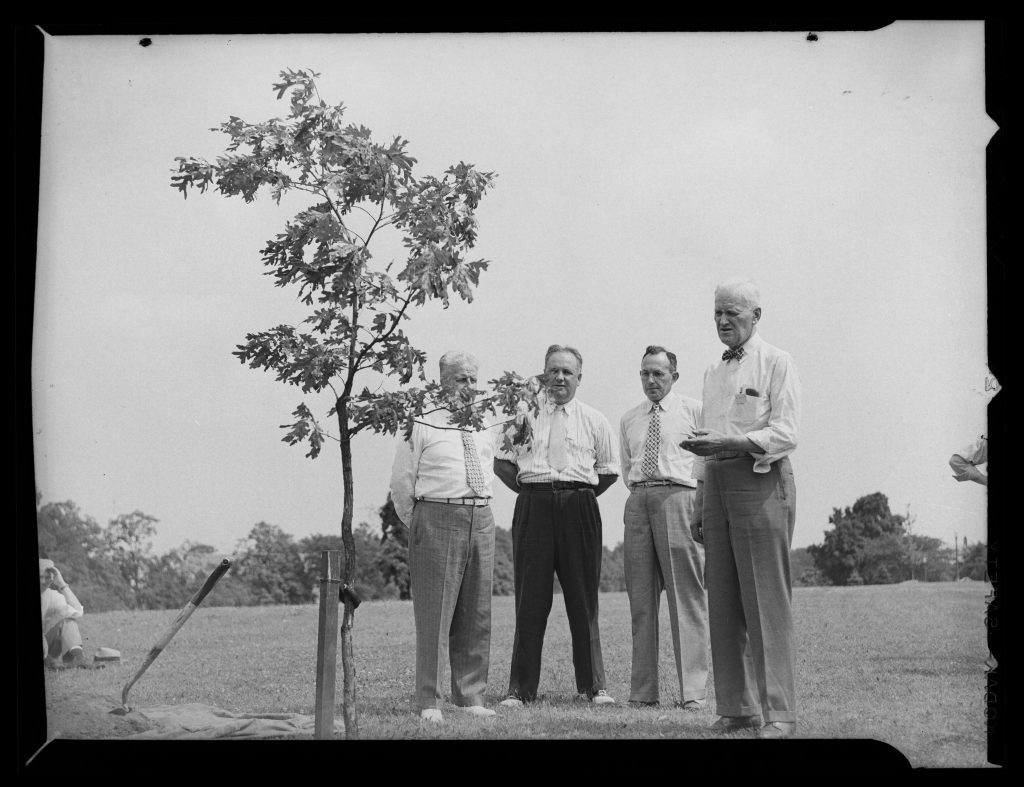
x=745, y=513
x=441, y=487
x=556, y=528
x=658, y=548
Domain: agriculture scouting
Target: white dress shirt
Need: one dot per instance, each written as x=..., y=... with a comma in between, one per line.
x=679, y=417
x=432, y=463
x=590, y=446
x=757, y=397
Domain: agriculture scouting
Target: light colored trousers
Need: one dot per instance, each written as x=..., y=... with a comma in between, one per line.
x=660, y=554
x=748, y=528
x=62, y=638
x=451, y=565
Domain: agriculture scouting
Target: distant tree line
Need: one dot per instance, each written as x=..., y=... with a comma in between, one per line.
x=114, y=567
x=870, y=545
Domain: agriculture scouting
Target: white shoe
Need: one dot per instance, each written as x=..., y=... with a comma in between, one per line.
x=511, y=702
x=601, y=697
x=431, y=714
x=478, y=710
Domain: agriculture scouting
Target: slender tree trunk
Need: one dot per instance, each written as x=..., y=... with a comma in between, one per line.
x=347, y=660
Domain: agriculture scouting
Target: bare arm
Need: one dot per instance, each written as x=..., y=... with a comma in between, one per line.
x=64, y=589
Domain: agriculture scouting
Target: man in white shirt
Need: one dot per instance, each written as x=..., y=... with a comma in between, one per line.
x=658, y=548
x=441, y=487
x=965, y=463
x=61, y=609
x=745, y=513
x=556, y=528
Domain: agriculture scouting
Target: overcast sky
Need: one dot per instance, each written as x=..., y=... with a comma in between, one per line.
x=635, y=171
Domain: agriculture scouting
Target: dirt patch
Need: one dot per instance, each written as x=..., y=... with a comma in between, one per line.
x=77, y=712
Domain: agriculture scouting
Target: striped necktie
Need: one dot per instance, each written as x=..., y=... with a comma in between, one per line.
x=652, y=446
x=557, y=456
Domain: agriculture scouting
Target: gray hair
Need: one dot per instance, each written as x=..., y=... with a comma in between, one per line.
x=457, y=358
x=561, y=348
x=743, y=288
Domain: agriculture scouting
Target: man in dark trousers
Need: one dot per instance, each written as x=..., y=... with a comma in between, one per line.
x=556, y=528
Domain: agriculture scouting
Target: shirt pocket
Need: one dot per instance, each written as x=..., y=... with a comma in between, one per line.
x=747, y=406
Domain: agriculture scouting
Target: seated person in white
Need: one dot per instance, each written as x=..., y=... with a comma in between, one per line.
x=965, y=463
x=62, y=641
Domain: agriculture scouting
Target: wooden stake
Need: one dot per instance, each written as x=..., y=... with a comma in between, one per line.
x=327, y=644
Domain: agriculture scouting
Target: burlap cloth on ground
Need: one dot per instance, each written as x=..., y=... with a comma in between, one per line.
x=198, y=721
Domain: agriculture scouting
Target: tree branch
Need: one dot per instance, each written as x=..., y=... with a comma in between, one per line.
x=377, y=223
x=364, y=210
x=337, y=214
x=396, y=319
x=458, y=428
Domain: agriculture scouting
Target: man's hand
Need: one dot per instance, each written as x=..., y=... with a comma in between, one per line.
x=697, y=518
x=56, y=580
x=706, y=441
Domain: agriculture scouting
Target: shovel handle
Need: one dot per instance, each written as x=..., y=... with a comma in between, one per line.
x=211, y=580
x=179, y=621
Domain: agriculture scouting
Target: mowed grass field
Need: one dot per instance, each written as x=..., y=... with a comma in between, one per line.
x=903, y=664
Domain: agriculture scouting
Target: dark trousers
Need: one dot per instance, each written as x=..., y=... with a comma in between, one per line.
x=556, y=532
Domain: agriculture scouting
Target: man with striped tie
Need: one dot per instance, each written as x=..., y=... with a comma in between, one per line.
x=556, y=527
x=658, y=549
x=441, y=487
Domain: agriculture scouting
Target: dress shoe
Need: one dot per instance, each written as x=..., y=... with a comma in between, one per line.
x=511, y=701
x=692, y=706
x=777, y=729
x=431, y=715
x=599, y=697
x=477, y=710
x=735, y=723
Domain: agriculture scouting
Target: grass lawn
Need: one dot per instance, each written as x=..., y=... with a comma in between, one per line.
x=903, y=664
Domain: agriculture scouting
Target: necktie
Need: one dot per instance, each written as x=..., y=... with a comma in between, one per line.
x=652, y=445
x=474, y=473
x=728, y=355
x=556, y=440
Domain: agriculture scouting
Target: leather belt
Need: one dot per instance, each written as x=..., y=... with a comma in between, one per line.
x=553, y=486
x=718, y=455
x=458, y=501
x=658, y=482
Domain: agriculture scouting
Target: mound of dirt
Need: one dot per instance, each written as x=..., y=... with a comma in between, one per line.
x=88, y=717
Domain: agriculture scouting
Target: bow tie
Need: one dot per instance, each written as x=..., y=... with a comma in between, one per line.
x=728, y=355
